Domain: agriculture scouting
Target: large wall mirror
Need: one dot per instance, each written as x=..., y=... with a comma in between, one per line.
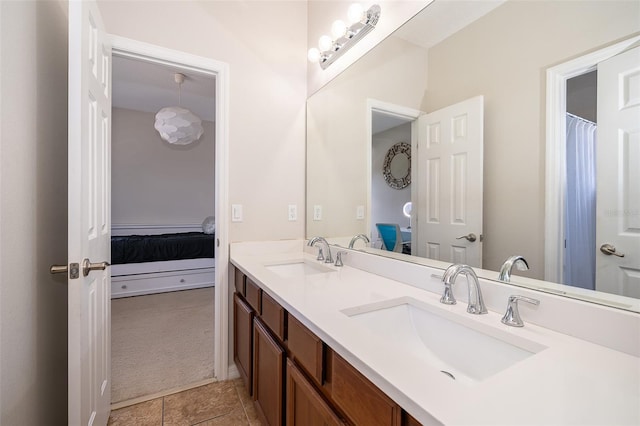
x=487, y=62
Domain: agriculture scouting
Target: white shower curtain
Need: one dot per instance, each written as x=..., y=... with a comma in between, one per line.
x=580, y=209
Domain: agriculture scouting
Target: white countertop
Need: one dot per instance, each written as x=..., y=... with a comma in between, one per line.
x=572, y=381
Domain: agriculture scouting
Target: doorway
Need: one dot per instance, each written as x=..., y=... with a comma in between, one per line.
x=217, y=73
x=388, y=124
x=556, y=176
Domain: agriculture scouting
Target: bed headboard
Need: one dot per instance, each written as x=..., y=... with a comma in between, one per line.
x=141, y=229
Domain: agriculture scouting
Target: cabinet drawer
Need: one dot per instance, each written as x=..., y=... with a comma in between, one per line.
x=239, y=282
x=305, y=348
x=135, y=285
x=273, y=315
x=360, y=399
x=252, y=294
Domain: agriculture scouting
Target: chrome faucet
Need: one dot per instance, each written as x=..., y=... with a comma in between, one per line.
x=476, y=304
x=359, y=237
x=312, y=242
x=505, y=271
x=512, y=316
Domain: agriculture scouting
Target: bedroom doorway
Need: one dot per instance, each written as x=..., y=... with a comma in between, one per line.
x=169, y=322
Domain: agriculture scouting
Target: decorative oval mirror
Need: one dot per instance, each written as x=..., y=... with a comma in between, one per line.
x=397, y=166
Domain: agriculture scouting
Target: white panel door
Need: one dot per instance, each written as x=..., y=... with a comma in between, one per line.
x=450, y=144
x=89, y=229
x=618, y=168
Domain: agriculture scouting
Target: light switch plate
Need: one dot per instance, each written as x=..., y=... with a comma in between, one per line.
x=360, y=212
x=236, y=213
x=292, y=212
x=317, y=212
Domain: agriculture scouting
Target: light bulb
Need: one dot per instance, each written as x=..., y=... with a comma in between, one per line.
x=355, y=12
x=324, y=43
x=313, y=55
x=338, y=29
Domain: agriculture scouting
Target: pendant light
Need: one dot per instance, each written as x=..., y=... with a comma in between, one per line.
x=178, y=125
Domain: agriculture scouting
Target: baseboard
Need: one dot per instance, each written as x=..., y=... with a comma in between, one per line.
x=232, y=372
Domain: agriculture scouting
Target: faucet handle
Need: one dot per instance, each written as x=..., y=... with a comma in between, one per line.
x=339, y=257
x=320, y=254
x=512, y=316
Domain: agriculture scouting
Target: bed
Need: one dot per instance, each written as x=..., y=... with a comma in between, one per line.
x=150, y=259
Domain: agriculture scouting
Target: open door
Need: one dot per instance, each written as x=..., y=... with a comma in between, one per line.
x=89, y=216
x=618, y=168
x=449, y=210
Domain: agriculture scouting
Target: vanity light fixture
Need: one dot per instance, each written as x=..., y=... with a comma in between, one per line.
x=178, y=125
x=361, y=22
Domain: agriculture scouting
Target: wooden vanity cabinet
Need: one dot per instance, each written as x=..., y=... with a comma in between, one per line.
x=305, y=348
x=294, y=377
x=243, y=339
x=268, y=375
x=305, y=405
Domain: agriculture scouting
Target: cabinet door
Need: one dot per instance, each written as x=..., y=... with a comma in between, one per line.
x=268, y=375
x=243, y=339
x=361, y=400
x=305, y=406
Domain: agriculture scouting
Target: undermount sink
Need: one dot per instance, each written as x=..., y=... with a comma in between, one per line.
x=461, y=348
x=298, y=269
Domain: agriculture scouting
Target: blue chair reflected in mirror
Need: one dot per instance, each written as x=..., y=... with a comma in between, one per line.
x=391, y=235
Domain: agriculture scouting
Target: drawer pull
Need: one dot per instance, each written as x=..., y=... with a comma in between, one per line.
x=182, y=280
x=124, y=287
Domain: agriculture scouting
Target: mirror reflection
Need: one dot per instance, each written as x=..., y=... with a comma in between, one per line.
x=495, y=54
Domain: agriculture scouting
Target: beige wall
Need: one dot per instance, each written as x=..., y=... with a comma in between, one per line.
x=264, y=43
x=504, y=56
x=33, y=219
x=396, y=72
x=154, y=182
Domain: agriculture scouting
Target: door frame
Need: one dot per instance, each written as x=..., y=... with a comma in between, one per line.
x=556, y=145
x=400, y=111
x=134, y=49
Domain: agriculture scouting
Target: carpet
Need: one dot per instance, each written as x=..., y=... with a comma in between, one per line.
x=160, y=342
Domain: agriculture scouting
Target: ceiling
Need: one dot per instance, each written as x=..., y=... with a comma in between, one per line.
x=149, y=87
x=381, y=121
x=445, y=18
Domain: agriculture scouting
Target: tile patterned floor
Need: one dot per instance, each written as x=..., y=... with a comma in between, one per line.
x=216, y=404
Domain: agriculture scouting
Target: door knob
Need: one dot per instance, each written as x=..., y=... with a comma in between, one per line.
x=609, y=250
x=87, y=266
x=471, y=237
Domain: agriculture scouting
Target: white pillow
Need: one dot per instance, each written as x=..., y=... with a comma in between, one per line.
x=209, y=225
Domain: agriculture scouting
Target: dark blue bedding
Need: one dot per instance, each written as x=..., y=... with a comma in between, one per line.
x=157, y=248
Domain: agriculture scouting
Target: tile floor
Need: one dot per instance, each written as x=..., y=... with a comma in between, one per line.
x=216, y=404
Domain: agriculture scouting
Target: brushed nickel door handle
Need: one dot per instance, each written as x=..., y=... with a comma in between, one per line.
x=58, y=269
x=471, y=237
x=87, y=266
x=609, y=250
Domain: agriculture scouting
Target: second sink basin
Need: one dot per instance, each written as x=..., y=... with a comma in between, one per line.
x=298, y=269
x=461, y=348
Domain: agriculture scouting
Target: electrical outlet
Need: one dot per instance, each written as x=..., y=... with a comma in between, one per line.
x=317, y=212
x=292, y=212
x=360, y=212
x=236, y=213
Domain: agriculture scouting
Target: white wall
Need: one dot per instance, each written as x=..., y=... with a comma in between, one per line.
x=387, y=202
x=33, y=219
x=154, y=182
